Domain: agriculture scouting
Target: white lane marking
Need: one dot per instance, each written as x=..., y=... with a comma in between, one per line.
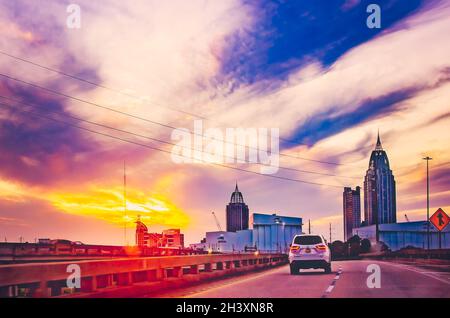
x=333, y=283
x=329, y=289
x=232, y=283
x=416, y=271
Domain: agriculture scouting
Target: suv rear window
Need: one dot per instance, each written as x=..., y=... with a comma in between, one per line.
x=307, y=240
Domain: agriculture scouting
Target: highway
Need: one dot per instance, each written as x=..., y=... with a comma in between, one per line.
x=347, y=280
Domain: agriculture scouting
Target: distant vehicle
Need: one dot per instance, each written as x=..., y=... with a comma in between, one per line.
x=59, y=241
x=44, y=241
x=309, y=251
x=62, y=247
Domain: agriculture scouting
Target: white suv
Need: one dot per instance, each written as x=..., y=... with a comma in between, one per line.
x=309, y=251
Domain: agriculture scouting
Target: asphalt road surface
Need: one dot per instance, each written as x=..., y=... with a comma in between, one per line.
x=347, y=280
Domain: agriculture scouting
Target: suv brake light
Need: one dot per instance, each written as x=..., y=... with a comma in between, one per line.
x=321, y=248
x=295, y=248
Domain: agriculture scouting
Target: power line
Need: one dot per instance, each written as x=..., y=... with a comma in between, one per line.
x=149, y=120
x=170, y=143
x=117, y=91
x=163, y=141
x=169, y=152
x=156, y=104
x=94, y=84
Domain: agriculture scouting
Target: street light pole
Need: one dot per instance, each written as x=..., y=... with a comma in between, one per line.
x=277, y=221
x=330, y=233
x=428, y=202
x=377, y=228
x=124, y=204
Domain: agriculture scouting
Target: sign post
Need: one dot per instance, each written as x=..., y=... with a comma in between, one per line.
x=440, y=220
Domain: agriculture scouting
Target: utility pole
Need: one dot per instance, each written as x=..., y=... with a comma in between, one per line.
x=124, y=204
x=377, y=229
x=427, y=158
x=330, y=233
x=309, y=226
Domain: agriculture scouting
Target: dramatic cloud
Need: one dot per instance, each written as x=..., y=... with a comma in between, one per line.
x=312, y=69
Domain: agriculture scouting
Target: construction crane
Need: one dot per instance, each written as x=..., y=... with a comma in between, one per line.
x=217, y=222
x=406, y=218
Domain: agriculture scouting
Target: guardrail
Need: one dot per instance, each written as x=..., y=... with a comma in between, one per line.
x=50, y=279
x=18, y=252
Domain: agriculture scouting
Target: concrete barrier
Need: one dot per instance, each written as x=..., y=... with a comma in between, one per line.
x=127, y=276
x=12, y=253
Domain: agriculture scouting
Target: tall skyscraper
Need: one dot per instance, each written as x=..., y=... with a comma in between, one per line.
x=352, y=210
x=379, y=189
x=237, y=212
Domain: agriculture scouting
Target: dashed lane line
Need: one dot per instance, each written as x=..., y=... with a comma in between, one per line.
x=329, y=289
x=228, y=284
x=332, y=284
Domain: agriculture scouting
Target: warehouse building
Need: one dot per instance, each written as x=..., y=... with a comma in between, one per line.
x=400, y=235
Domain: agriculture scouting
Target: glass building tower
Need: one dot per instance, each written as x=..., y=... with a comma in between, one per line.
x=352, y=210
x=379, y=189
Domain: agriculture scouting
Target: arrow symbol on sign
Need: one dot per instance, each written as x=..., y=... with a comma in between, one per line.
x=441, y=219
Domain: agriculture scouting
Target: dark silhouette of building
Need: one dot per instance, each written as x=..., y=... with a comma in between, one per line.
x=172, y=238
x=237, y=212
x=352, y=210
x=380, y=205
x=168, y=238
x=142, y=235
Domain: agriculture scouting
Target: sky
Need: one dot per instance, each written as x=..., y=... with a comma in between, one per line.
x=312, y=69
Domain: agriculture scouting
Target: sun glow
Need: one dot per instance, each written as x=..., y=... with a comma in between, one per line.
x=108, y=204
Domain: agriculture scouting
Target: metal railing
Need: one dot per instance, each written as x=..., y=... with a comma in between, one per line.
x=50, y=279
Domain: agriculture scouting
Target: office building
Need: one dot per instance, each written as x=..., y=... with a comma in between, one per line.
x=351, y=210
x=237, y=212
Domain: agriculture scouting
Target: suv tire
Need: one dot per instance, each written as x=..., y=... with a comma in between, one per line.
x=294, y=269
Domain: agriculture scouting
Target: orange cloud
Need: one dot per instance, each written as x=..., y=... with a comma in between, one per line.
x=12, y=30
x=108, y=205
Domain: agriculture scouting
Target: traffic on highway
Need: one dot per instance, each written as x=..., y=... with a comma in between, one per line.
x=347, y=279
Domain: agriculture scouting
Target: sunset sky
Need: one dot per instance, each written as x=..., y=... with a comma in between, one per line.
x=313, y=69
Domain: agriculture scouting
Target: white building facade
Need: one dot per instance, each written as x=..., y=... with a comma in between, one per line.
x=270, y=233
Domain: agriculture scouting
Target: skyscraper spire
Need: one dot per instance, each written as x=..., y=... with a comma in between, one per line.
x=378, y=147
x=236, y=196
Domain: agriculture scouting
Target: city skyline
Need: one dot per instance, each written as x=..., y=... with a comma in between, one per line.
x=255, y=67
